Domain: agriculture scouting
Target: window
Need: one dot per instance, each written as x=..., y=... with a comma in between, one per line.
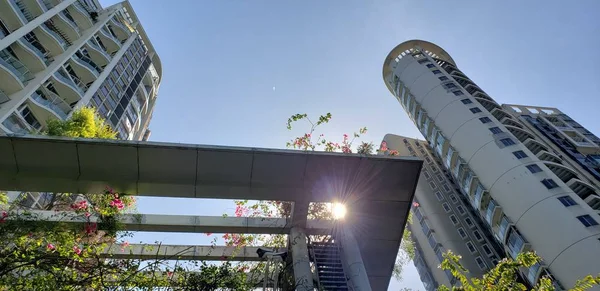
x=549, y=183
x=422, y=61
x=430, y=65
x=475, y=110
x=469, y=222
x=460, y=209
x=458, y=93
x=587, y=220
x=439, y=196
x=439, y=178
x=443, y=78
x=507, y=141
x=462, y=232
x=435, y=72
x=487, y=250
x=446, y=188
x=426, y=174
x=418, y=214
x=520, y=154
x=534, y=168
x=450, y=85
x=466, y=101
x=432, y=185
x=480, y=263
x=485, y=120
x=453, y=219
x=567, y=201
x=495, y=130
x=446, y=207
x=471, y=248
x=453, y=198
x=432, y=241
x=477, y=235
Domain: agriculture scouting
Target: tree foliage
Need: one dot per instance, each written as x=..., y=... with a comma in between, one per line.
x=85, y=123
x=504, y=275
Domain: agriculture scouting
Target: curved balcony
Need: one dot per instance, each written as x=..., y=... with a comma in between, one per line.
x=66, y=25
x=49, y=106
x=50, y=40
x=30, y=56
x=98, y=55
x=85, y=68
x=112, y=43
x=66, y=88
x=15, y=124
x=81, y=15
x=119, y=29
x=11, y=14
x=13, y=74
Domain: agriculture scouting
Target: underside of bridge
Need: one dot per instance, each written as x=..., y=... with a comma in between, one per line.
x=376, y=190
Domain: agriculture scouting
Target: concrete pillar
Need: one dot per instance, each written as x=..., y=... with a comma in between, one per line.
x=301, y=261
x=354, y=266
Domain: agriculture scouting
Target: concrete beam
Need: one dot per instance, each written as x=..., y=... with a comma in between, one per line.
x=181, y=252
x=193, y=223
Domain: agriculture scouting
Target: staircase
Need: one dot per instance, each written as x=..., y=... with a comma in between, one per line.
x=328, y=263
x=59, y=32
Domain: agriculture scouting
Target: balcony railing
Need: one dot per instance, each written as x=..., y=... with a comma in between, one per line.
x=16, y=67
x=47, y=4
x=54, y=103
x=15, y=124
x=65, y=79
x=84, y=61
x=58, y=38
x=99, y=49
x=36, y=50
x=67, y=18
x=3, y=97
x=19, y=9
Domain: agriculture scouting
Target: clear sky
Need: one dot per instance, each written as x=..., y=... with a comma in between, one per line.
x=234, y=71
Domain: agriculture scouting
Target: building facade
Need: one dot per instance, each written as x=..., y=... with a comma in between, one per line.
x=518, y=188
x=57, y=56
x=60, y=55
x=443, y=220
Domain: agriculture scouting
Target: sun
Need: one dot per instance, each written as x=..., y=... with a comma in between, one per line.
x=338, y=210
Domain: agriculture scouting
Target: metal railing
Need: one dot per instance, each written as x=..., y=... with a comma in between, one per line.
x=3, y=97
x=19, y=7
x=99, y=49
x=84, y=61
x=68, y=19
x=54, y=103
x=15, y=124
x=109, y=35
x=35, y=50
x=16, y=67
x=46, y=4
x=65, y=79
x=56, y=36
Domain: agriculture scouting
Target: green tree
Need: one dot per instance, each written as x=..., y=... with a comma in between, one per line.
x=85, y=123
x=504, y=275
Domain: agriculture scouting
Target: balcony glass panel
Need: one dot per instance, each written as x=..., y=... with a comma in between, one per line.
x=15, y=66
x=439, y=144
x=514, y=242
x=477, y=197
x=490, y=211
x=448, y=160
x=52, y=102
x=16, y=124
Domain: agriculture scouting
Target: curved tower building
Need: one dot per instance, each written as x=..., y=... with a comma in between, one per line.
x=528, y=198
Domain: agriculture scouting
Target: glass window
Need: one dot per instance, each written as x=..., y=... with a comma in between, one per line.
x=450, y=85
x=567, y=201
x=439, y=196
x=520, y=154
x=430, y=65
x=425, y=227
x=422, y=61
x=460, y=209
x=426, y=174
x=469, y=222
x=446, y=188
x=487, y=250
x=466, y=101
x=485, y=120
x=436, y=72
x=458, y=92
x=587, y=220
x=534, y=168
x=446, y=207
x=432, y=185
x=462, y=232
x=549, y=183
x=443, y=78
x=477, y=235
x=495, y=130
x=418, y=214
x=471, y=248
x=480, y=263
x=439, y=178
x=475, y=110
x=502, y=228
x=432, y=241
x=507, y=141
x=453, y=198
x=454, y=219
x=514, y=242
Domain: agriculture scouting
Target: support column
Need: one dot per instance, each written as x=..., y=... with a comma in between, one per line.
x=301, y=261
x=355, y=267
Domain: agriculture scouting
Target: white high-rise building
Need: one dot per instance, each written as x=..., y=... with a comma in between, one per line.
x=525, y=193
x=58, y=55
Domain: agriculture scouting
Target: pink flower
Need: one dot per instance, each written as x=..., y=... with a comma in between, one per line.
x=77, y=250
x=109, y=190
x=91, y=228
x=50, y=247
x=169, y=274
x=87, y=214
x=125, y=244
x=4, y=214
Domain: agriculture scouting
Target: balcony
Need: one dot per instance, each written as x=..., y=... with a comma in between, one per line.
x=493, y=213
x=12, y=15
x=15, y=124
x=85, y=68
x=35, y=7
x=120, y=30
x=66, y=26
x=110, y=41
x=13, y=73
x=67, y=88
x=81, y=15
x=32, y=57
x=53, y=42
x=48, y=105
x=97, y=54
x=3, y=97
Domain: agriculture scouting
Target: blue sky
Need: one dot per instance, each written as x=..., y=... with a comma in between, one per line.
x=222, y=59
